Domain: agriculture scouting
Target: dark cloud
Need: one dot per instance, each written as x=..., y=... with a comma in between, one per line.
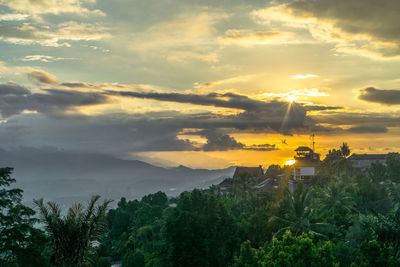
x=381, y=96
x=221, y=142
x=116, y=134
x=367, y=129
x=16, y=99
x=257, y=115
x=41, y=77
x=227, y=100
x=358, y=118
x=154, y=131
x=12, y=89
x=320, y=108
x=76, y=85
x=218, y=141
x=151, y=131
x=262, y=147
x=375, y=21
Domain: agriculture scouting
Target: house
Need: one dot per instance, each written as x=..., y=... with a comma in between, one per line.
x=257, y=173
x=305, y=167
x=269, y=184
x=306, y=163
x=364, y=161
x=225, y=186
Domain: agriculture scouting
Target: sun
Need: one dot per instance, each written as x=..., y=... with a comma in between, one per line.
x=291, y=98
x=290, y=162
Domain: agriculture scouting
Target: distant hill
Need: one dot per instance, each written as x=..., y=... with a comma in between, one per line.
x=71, y=177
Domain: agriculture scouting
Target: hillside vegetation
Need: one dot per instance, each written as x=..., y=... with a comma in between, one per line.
x=343, y=218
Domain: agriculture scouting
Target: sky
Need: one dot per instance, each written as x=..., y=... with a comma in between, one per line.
x=205, y=84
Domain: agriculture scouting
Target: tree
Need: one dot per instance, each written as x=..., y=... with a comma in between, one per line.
x=345, y=150
x=199, y=231
x=335, y=205
x=393, y=167
x=243, y=185
x=247, y=257
x=133, y=259
x=74, y=236
x=337, y=162
x=290, y=250
x=377, y=172
x=273, y=170
x=16, y=222
x=103, y=262
x=297, y=213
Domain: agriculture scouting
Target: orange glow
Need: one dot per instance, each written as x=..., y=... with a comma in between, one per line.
x=290, y=162
x=291, y=98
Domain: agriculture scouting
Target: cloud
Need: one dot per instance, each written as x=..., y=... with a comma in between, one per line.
x=15, y=99
x=220, y=142
x=12, y=89
x=52, y=7
x=41, y=76
x=358, y=118
x=185, y=36
x=231, y=80
x=44, y=58
x=227, y=100
x=116, y=134
x=13, y=17
x=257, y=115
x=217, y=140
x=262, y=147
x=367, y=129
x=154, y=131
x=59, y=35
x=304, y=76
x=349, y=24
x=77, y=85
x=249, y=37
x=381, y=96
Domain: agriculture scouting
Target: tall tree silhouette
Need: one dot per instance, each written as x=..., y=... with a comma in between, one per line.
x=74, y=235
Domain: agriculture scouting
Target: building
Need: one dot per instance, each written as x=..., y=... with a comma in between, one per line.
x=305, y=167
x=269, y=184
x=225, y=186
x=306, y=163
x=364, y=161
x=256, y=172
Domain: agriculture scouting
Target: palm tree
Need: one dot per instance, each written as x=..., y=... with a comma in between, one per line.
x=74, y=235
x=335, y=199
x=243, y=185
x=337, y=162
x=298, y=215
x=335, y=205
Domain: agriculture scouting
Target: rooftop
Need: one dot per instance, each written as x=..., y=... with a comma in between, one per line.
x=303, y=149
x=254, y=171
x=370, y=156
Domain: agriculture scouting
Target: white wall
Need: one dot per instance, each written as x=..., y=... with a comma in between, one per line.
x=307, y=171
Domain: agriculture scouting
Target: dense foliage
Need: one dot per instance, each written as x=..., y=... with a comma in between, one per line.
x=345, y=217
x=73, y=237
x=20, y=243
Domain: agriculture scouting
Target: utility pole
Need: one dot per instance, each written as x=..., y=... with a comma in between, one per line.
x=313, y=142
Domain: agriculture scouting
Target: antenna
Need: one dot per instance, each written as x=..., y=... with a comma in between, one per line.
x=313, y=142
